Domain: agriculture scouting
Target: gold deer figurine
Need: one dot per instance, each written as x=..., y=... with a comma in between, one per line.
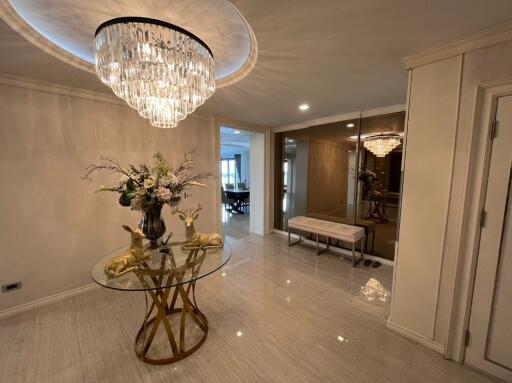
x=196, y=240
x=131, y=258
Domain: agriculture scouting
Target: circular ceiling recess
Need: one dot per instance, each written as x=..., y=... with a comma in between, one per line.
x=65, y=28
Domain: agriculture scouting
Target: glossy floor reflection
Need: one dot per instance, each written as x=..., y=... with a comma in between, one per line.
x=235, y=225
x=276, y=314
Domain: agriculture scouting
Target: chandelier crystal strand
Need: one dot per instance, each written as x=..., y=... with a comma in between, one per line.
x=382, y=144
x=159, y=69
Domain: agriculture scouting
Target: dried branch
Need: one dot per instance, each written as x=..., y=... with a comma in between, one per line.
x=110, y=164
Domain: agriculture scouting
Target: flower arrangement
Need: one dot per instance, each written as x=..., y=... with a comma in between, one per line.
x=367, y=177
x=143, y=187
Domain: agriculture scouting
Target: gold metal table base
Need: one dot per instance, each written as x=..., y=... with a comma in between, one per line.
x=166, y=312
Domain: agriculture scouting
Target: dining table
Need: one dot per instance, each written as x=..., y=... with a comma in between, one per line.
x=237, y=199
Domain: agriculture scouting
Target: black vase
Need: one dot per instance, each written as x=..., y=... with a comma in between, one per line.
x=153, y=225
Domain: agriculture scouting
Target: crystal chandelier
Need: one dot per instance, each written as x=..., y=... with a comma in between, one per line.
x=381, y=144
x=160, y=69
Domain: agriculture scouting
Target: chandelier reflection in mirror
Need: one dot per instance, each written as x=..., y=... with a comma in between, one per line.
x=381, y=144
x=160, y=69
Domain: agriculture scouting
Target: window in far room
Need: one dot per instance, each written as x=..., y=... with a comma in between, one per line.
x=228, y=166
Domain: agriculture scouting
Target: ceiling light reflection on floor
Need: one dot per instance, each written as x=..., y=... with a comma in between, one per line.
x=288, y=281
x=373, y=291
x=342, y=339
x=239, y=333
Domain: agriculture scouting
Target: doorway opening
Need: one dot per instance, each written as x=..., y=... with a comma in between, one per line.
x=242, y=181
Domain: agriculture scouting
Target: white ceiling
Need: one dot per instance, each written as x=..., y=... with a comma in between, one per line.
x=338, y=56
x=234, y=137
x=71, y=24
x=233, y=141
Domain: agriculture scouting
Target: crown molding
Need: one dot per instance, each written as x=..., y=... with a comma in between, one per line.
x=18, y=24
x=39, y=86
x=487, y=37
x=342, y=117
x=384, y=110
x=236, y=124
x=26, y=83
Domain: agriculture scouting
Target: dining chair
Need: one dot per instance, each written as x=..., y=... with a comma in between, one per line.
x=242, y=186
x=230, y=186
x=225, y=200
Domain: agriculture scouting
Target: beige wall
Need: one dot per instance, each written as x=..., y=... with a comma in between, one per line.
x=54, y=228
x=426, y=190
x=432, y=253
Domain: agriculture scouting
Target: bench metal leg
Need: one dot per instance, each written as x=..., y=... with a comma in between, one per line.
x=318, y=251
x=363, y=246
x=354, y=261
x=290, y=243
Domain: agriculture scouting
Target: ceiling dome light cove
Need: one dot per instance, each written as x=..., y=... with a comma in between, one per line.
x=66, y=28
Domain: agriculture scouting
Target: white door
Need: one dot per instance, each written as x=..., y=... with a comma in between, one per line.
x=490, y=327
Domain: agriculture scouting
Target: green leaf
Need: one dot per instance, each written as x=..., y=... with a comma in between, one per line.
x=126, y=198
x=101, y=189
x=130, y=186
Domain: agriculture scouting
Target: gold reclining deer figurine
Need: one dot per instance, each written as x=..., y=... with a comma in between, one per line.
x=131, y=258
x=196, y=240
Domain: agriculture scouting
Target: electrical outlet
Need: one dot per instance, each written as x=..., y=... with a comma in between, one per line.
x=11, y=287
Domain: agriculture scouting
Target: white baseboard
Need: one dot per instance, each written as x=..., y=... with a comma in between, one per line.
x=46, y=301
x=340, y=251
x=424, y=341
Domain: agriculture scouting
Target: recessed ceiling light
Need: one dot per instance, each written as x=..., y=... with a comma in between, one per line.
x=237, y=132
x=303, y=107
x=351, y=125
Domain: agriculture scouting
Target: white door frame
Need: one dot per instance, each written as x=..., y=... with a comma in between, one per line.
x=219, y=122
x=484, y=111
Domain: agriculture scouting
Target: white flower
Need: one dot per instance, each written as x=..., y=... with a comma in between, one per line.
x=163, y=194
x=168, y=179
x=149, y=183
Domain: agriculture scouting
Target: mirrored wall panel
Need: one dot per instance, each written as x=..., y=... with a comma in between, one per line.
x=346, y=172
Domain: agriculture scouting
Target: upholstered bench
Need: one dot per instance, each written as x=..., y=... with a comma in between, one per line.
x=339, y=231
x=368, y=226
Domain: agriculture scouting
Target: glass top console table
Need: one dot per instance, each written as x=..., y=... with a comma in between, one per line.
x=169, y=277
